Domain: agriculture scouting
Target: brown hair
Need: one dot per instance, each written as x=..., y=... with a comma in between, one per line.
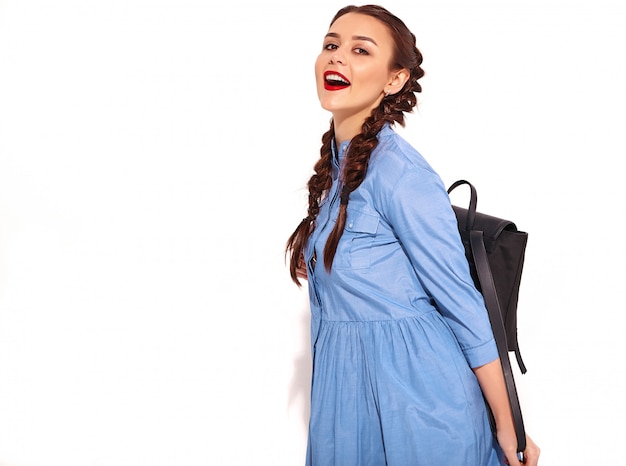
x=391, y=110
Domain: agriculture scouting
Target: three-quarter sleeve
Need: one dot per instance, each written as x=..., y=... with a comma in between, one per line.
x=419, y=210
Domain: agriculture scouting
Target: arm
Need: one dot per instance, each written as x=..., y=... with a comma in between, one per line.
x=419, y=210
x=491, y=380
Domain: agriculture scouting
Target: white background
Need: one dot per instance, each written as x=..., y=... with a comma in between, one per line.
x=153, y=155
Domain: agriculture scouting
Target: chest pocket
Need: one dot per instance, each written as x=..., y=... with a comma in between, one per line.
x=355, y=247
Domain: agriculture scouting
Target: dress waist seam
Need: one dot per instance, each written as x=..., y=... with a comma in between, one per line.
x=378, y=321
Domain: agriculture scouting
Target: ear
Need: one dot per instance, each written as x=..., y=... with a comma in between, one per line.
x=397, y=79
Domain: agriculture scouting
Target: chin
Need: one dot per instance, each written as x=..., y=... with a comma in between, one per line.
x=326, y=105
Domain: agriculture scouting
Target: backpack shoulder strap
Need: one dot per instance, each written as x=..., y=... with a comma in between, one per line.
x=493, y=308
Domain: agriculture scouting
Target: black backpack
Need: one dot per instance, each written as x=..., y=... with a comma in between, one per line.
x=495, y=251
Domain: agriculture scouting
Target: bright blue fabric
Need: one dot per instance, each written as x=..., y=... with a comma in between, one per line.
x=397, y=325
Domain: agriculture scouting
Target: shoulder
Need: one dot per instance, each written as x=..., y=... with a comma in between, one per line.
x=399, y=179
x=395, y=159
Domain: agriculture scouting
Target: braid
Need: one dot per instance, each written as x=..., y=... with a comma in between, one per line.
x=353, y=174
x=319, y=183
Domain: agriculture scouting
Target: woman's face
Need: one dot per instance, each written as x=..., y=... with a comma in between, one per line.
x=352, y=71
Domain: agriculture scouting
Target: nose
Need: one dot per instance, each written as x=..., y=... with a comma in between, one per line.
x=337, y=58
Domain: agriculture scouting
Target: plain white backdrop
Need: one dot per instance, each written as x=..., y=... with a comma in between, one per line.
x=153, y=158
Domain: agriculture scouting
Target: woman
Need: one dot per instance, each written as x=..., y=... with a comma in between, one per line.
x=402, y=347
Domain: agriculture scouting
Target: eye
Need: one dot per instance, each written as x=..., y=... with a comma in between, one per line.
x=361, y=51
x=330, y=46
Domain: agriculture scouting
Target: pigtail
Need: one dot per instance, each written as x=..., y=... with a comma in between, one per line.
x=318, y=185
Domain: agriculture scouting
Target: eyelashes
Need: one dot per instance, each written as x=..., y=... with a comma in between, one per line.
x=358, y=50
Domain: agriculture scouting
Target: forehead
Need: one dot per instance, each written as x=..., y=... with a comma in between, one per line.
x=361, y=25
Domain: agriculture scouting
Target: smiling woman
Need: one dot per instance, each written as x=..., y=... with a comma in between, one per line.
x=403, y=353
x=355, y=59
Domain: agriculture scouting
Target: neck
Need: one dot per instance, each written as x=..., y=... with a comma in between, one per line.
x=349, y=123
x=345, y=130
x=348, y=126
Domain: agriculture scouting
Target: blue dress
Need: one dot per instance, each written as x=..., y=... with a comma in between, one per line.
x=397, y=325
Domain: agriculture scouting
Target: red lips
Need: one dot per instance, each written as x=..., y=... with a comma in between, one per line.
x=334, y=81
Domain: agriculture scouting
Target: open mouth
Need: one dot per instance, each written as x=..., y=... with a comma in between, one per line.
x=334, y=81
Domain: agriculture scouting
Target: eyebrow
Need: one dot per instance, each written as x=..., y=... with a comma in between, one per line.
x=365, y=38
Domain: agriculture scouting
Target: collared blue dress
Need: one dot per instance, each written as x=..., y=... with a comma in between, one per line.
x=397, y=325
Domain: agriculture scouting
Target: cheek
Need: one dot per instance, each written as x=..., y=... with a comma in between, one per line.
x=382, y=77
x=373, y=77
x=319, y=68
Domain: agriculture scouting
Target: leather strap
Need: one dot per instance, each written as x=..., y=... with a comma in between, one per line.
x=493, y=308
x=471, y=211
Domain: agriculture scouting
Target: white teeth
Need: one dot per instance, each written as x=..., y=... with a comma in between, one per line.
x=336, y=77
